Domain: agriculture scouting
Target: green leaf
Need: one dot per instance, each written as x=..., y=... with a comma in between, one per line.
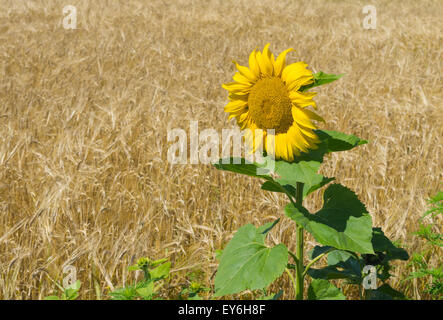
x=339, y=141
x=134, y=267
x=341, y=265
x=342, y=223
x=304, y=172
x=240, y=165
x=75, y=286
x=70, y=294
x=247, y=263
x=272, y=296
x=318, y=250
x=436, y=203
x=218, y=254
x=331, y=141
x=321, y=78
x=382, y=244
x=385, y=292
x=161, y=271
x=276, y=187
x=146, y=291
x=52, y=298
x=320, y=289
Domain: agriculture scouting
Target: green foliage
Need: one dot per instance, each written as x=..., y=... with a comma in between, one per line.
x=436, y=204
x=195, y=288
x=69, y=293
x=321, y=78
x=342, y=223
x=349, y=265
x=147, y=289
x=433, y=244
x=247, y=263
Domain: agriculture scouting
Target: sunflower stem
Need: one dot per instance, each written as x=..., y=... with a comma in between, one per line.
x=299, y=252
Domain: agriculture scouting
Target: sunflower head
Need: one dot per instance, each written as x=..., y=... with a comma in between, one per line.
x=267, y=96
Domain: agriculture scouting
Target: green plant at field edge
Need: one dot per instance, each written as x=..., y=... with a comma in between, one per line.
x=154, y=271
x=433, y=245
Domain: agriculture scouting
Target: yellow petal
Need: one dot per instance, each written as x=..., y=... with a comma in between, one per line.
x=313, y=115
x=290, y=150
x=238, y=77
x=244, y=71
x=270, y=144
x=300, y=82
x=297, y=139
x=302, y=118
x=309, y=134
x=281, y=62
x=302, y=99
x=233, y=96
x=235, y=106
x=264, y=61
x=253, y=64
x=280, y=147
x=296, y=75
x=234, y=86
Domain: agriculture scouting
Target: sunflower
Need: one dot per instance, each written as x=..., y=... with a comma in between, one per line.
x=267, y=96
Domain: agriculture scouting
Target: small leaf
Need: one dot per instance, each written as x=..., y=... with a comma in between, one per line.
x=321, y=78
x=146, y=291
x=247, y=263
x=320, y=289
x=342, y=223
x=52, y=298
x=161, y=271
x=75, y=286
x=304, y=172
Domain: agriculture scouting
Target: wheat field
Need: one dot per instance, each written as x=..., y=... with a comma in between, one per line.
x=84, y=116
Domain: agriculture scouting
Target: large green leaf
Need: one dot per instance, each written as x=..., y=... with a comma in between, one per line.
x=320, y=289
x=342, y=223
x=321, y=78
x=247, y=263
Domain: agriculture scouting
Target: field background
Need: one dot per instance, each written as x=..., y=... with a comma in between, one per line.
x=84, y=116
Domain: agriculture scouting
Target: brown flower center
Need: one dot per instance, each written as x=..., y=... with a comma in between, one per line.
x=270, y=105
